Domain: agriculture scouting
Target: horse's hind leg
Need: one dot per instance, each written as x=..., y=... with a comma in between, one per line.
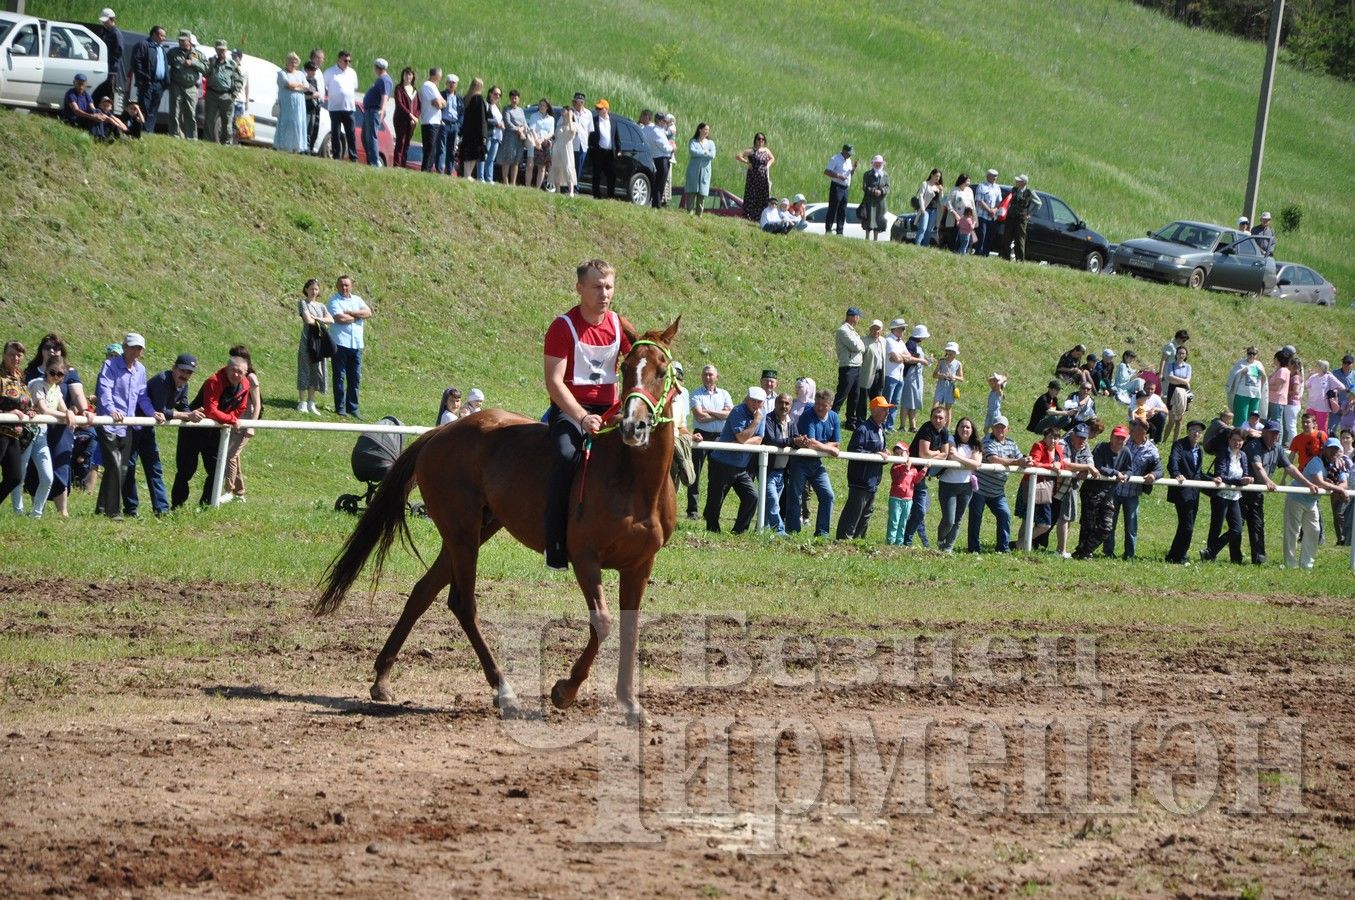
x=438, y=576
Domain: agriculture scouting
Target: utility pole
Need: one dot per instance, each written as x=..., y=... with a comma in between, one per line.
x=1258, y=144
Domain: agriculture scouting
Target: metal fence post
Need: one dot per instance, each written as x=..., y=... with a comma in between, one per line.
x=761, y=491
x=1028, y=525
x=222, y=446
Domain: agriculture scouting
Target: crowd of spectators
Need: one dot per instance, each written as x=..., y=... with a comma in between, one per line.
x=880, y=376
x=48, y=461
x=884, y=373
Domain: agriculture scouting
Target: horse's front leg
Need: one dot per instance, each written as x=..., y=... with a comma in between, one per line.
x=589, y=575
x=633, y=583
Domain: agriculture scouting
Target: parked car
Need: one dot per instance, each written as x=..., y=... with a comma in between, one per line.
x=1056, y=235
x=816, y=214
x=720, y=202
x=1302, y=285
x=39, y=60
x=1200, y=255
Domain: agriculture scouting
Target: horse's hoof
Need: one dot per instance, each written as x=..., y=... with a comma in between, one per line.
x=381, y=694
x=637, y=718
x=561, y=697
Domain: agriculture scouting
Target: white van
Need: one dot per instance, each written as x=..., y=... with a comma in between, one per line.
x=39, y=60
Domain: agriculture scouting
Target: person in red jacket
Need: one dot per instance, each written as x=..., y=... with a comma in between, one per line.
x=223, y=398
x=406, y=114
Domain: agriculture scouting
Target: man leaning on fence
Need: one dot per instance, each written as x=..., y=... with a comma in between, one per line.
x=223, y=398
x=121, y=393
x=168, y=393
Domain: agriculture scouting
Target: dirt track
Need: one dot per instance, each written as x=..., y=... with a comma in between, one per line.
x=253, y=763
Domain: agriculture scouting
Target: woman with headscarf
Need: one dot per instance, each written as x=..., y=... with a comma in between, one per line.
x=875, y=188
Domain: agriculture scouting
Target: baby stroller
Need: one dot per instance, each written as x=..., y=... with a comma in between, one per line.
x=373, y=456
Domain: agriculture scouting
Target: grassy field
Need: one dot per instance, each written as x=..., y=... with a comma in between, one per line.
x=1130, y=117
x=462, y=297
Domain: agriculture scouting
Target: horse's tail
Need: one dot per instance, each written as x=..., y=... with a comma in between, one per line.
x=383, y=520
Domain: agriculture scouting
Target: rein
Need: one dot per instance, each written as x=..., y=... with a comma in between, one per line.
x=655, y=405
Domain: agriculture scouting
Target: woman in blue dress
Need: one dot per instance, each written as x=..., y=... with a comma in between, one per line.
x=290, y=135
x=697, y=186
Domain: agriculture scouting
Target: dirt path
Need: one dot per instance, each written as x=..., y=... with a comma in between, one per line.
x=248, y=760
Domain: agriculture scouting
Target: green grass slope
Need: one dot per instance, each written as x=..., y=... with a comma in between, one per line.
x=1132, y=118
x=200, y=247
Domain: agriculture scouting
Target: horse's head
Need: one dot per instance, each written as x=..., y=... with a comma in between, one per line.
x=647, y=383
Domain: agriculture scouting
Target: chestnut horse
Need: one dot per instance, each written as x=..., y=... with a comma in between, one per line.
x=488, y=471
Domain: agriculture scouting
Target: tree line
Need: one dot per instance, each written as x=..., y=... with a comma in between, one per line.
x=1318, y=35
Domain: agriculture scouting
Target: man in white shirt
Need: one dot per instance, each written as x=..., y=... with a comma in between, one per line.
x=661, y=150
x=710, y=405
x=341, y=91
x=584, y=119
x=839, y=173
x=988, y=197
x=431, y=105
x=895, y=352
x=604, y=148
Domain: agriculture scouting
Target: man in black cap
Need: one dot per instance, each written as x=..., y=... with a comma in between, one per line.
x=839, y=173
x=1186, y=463
x=850, y=351
x=768, y=384
x=168, y=393
x=584, y=119
x=1264, y=454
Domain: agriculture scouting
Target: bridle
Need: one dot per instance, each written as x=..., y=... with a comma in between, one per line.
x=610, y=417
x=656, y=406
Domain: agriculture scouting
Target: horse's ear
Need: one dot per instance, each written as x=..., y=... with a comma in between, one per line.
x=628, y=330
x=671, y=332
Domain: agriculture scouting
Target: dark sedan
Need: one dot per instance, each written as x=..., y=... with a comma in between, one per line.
x=1200, y=255
x=1055, y=235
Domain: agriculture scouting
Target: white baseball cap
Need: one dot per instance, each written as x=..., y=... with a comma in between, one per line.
x=133, y=340
x=380, y=63
x=952, y=347
x=757, y=393
x=107, y=14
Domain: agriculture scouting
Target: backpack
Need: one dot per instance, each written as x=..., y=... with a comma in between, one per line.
x=1217, y=442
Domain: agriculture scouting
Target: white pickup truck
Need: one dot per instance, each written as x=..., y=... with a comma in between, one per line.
x=39, y=60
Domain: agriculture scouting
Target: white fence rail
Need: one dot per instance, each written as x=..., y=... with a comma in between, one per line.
x=762, y=453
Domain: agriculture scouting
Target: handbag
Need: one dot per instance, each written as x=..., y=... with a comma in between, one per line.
x=319, y=344
x=1044, y=492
